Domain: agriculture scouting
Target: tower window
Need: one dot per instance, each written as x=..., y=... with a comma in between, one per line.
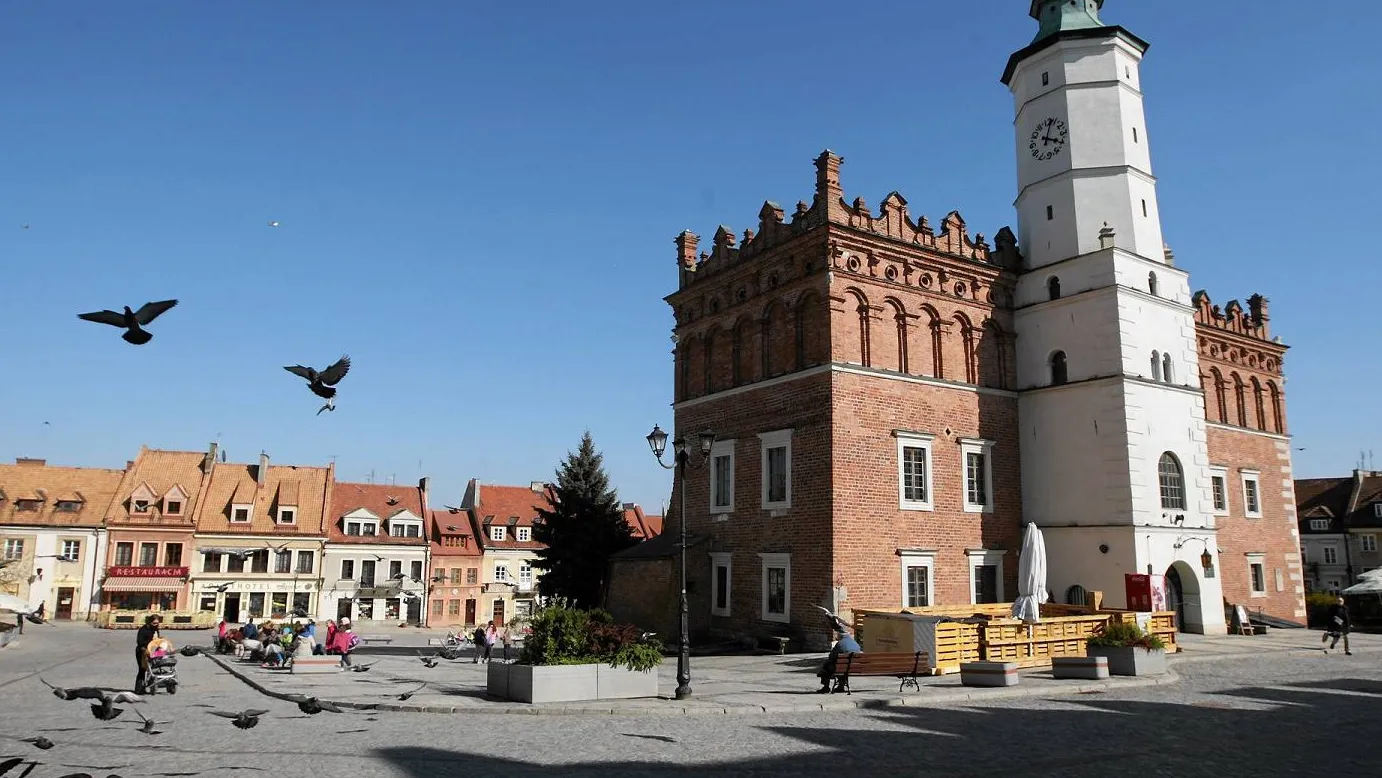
x=1045, y=79
x=1134, y=135
x=1144, y=207
x=1166, y=373
x=1059, y=372
x=1172, y=482
x=1050, y=213
x=1151, y=283
x=1053, y=287
x=1156, y=366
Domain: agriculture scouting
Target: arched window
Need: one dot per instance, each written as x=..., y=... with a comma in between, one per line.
x=1156, y=365
x=1059, y=373
x=1053, y=287
x=1151, y=283
x=1166, y=373
x=1075, y=595
x=1172, y=480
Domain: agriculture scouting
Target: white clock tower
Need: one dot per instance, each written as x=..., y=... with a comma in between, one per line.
x=1114, y=462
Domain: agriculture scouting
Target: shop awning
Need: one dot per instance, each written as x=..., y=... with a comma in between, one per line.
x=149, y=584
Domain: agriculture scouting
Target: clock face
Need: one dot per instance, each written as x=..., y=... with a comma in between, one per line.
x=1048, y=139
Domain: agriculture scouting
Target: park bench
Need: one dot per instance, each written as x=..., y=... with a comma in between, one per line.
x=1092, y=668
x=314, y=665
x=904, y=665
x=988, y=674
x=780, y=643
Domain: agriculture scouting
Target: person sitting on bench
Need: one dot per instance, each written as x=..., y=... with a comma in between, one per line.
x=845, y=644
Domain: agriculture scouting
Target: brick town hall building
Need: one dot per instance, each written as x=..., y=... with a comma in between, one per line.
x=892, y=401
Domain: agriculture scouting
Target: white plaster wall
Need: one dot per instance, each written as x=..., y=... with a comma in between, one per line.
x=82, y=576
x=1073, y=558
x=1204, y=611
x=333, y=589
x=1086, y=328
x=1073, y=448
x=1147, y=324
x=1099, y=269
x=1160, y=419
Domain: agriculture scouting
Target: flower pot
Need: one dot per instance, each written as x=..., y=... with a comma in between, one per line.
x=1131, y=660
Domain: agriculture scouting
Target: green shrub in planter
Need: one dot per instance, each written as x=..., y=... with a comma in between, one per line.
x=1122, y=634
x=562, y=635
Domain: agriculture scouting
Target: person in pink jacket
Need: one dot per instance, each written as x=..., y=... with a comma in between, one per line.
x=346, y=640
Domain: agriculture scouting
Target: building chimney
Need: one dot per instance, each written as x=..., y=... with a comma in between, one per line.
x=829, y=193
x=538, y=486
x=263, y=471
x=686, y=250
x=422, y=483
x=210, y=460
x=30, y=462
x=1106, y=237
x=1170, y=255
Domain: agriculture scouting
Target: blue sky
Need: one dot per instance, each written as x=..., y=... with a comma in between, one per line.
x=478, y=205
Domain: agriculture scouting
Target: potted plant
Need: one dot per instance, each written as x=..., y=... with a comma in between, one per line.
x=1129, y=650
x=571, y=654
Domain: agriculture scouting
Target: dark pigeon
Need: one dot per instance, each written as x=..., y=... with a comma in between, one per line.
x=132, y=321
x=323, y=384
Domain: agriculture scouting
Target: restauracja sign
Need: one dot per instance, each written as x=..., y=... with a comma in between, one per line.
x=146, y=572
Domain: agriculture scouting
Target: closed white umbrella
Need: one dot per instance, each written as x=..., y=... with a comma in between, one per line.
x=1031, y=576
x=9, y=602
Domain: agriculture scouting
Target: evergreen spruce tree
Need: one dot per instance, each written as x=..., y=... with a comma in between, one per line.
x=583, y=528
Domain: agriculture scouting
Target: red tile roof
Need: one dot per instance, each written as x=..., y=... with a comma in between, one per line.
x=384, y=501
x=504, y=506
x=153, y=475
x=37, y=480
x=644, y=526
x=235, y=483
x=452, y=534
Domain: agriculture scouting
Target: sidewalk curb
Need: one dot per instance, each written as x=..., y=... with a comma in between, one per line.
x=947, y=697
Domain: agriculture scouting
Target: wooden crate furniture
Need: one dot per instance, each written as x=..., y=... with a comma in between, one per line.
x=1087, y=668
x=988, y=674
x=315, y=665
x=906, y=666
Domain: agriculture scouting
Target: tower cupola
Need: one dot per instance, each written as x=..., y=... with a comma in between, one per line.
x=1057, y=16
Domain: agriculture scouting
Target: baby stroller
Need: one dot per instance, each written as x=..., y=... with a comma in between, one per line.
x=163, y=668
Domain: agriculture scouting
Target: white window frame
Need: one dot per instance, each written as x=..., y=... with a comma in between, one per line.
x=1255, y=477
x=498, y=533
x=1260, y=560
x=501, y=573
x=979, y=557
x=911, y=559
x=1368, y=543
x=723, y=559
x=70, y=557
x=783, y=561
x=353, y=570
x=523, y=534
x=14, y=549
x=525, y=572
x=1319, y=525
x=292, y=515
x=767, y=442
x=1377, y=510
x=1326, y=552
x=1220, y=474
x=722, y=448
x=923, y=441
x=976, y=446
x=249, y=513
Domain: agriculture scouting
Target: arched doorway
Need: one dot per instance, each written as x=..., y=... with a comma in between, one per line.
x=1182, y=592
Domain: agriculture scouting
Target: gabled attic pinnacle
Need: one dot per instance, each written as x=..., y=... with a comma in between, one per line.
x=828, y=207
x=1255, y=322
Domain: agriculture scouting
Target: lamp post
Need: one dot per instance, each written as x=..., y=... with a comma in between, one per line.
x=657, y=441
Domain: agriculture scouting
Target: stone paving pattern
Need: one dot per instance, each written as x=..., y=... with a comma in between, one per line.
x=1269, y=706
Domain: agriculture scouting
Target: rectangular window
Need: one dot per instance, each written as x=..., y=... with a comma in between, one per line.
x=456, y=575
x=306, y=561
x=172, y=554
x=1377, y=510
x=14, y=548
x=720, y=565
x=283, y=562
x=1330, y=554
x=722, y=477
x=986, y=576
x=437, y=606
x=208, y=603
x=352, y=528
x=1144, y=202
x=1319, y=525
x=453, y=607
x=367, y=572
x=140, y=506
x=259, y=561
x=240, y=515
x=68, y=506
x=1252, y=505
x=124, y=554
x=1134, y=140
x=279, y=604
x=1257, y=574
x=256, y=606
x=173, y=508
x=916, y=581
x=148, y=555
x=72, y=550
x=524, y=534
x=1368, y=543
x=395, y=569
x=472, y=575
x=235, y=564
x=777, y=469
x=1046, y=78
x=347, y=569
x=777, y=587
x=1218, y=484
x=415, y=569
x=914, y=471
x=501, y=572
x=287, y=515
x=498, y=533
x=211, y=563
x=302, y=602
x=525, y=574
x=978, y=475
x=1050, y=213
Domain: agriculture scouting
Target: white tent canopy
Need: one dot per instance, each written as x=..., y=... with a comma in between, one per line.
x=1371, y=584
x=9, y=602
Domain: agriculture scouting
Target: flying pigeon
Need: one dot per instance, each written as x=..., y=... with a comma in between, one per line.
x=245, y=719
x=134, y=321
x=837, y=623
x=273, y=224
x=430, y=661
x=323, y=384
x=312, y=706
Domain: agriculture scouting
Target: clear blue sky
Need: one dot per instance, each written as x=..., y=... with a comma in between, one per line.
x=478, y=204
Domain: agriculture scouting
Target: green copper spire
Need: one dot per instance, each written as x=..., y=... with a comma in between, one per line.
x=1060, y=15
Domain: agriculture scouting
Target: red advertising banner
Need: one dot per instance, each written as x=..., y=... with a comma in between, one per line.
x=146, y=572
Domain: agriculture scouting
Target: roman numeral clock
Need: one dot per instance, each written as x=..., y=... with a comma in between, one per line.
x=1048, y=139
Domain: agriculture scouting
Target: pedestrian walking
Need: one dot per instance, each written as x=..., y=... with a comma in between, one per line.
x=491, y=635
x=1337, y=626
x=479, y=640
x=146, y=635
x=507, y=638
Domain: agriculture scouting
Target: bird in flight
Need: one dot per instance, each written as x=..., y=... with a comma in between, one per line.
x=133, y=321
x=245, y=719
x=273, y=224
x=323, y=383
x=312, y=705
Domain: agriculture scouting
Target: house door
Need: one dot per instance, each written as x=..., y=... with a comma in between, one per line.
x=231, y=611
x=343, y=608
x=469, y=611
x=65, y=597
x=1175, y=596
x=415, y=611
x=498, y=612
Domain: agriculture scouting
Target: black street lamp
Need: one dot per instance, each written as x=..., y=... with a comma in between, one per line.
x=657, y=440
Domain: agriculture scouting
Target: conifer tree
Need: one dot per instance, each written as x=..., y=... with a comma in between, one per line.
x=582, y=529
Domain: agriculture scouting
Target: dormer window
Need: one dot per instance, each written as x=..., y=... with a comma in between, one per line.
x=172, y=508
x=173, y=501
x=69, y=506
x=287, y=515
x=366, y=529
x=498, y=534
x=27, y=506
x=523, y=534
x=240, y=514
x=140, y=506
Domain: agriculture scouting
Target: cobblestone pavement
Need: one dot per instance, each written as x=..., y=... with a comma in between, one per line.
x=1262, y=713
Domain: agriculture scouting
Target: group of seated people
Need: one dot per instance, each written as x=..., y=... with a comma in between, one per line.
x=274, y=645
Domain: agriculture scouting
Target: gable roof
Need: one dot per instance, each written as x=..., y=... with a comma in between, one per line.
x=1346, y=501
x=37, y=480
x=644, y=525
x=384, y=501
x=158, y=472
x=235, y=483
x=453, y=535
x=505, y=506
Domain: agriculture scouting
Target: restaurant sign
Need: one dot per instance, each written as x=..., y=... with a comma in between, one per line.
x=122, y=571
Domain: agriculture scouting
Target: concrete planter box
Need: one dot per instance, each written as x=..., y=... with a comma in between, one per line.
x=568, y=683
x=1126, y=660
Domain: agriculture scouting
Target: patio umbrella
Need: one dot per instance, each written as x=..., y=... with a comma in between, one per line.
x=1369, y=585
x=1031, y=576
x=9, y=602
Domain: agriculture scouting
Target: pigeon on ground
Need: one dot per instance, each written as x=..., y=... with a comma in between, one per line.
x=312, y=706
x=404, y=696
x=361, y=668
x=190, y=650
x=148, y=726
x=133, y=321
x=323, y=384
x=40, y=742
x=245, y=719
x=430, y=661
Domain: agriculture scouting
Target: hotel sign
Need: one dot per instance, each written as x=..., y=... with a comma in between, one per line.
x=116, y=571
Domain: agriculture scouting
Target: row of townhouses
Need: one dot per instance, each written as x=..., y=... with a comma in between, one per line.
x=182, y=532
x=1340, y=523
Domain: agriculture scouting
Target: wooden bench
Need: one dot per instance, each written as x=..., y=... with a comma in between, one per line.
x=1090, y=668
x=315, y=664
x=988, y=674
x=906, y=666
x=781, y=643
